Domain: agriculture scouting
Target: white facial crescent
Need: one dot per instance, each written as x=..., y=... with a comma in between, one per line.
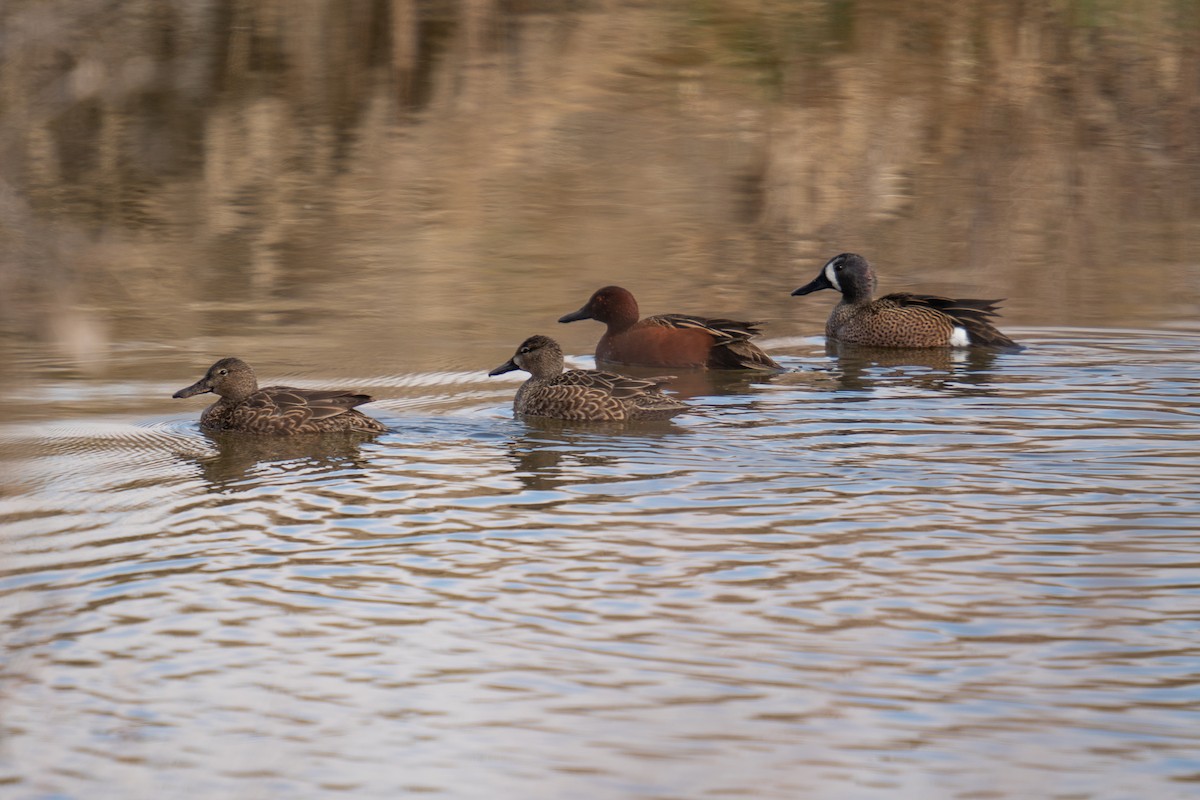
x=831, y=276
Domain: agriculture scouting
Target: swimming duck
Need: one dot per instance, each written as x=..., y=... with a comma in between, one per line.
x=900, y=319
x=669, y=340
x=280, y=410
x=579, y=394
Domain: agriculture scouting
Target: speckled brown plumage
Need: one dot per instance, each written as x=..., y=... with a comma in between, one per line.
x=900, y=319
x=669, y=340
x=582, y=395
x=275, y=410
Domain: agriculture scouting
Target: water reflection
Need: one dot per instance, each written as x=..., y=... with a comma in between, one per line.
x=544, y=449
x=237, y=456
x=209, y=162
x=616, y=611
x=696, y=384
x=967, y=371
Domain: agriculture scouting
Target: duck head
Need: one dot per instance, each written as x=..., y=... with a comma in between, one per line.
x=611, y=305
x=540, y=356
x=849, y=273
x=230, y=378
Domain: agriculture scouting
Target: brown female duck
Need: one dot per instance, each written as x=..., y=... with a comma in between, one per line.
x=900, y=319
x=279, y=410
x=669, y=340
x=579, y=394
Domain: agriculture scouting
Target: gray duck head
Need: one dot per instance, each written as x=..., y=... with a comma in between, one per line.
x=849, y=273
x=231, y=378
x=540, y=356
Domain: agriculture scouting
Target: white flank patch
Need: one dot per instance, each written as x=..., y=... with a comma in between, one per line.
x=959, y=338
x=832, y=276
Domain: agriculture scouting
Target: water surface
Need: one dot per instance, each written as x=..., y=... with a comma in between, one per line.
x=851, y=580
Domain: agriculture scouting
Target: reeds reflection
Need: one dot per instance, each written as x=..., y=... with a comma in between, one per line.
x=292, y=162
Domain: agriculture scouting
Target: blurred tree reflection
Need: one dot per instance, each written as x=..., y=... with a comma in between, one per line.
x=158, y=154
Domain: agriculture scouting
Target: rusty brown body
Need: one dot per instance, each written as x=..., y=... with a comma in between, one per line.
x=669, y=340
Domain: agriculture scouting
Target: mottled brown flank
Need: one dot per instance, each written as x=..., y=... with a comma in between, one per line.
x=286, y=410
x=579, y=394
x=914, y=320
x=586, y=395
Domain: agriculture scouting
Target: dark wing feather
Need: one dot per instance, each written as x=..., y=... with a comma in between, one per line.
x=283, y=409
x=723, y=330
x=948, y=305
x=731, y=347
x=973, y=315
x=622, y=387
x=319, y=404
x=741, y=354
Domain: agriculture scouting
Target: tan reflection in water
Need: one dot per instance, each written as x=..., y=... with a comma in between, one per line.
x=399, y=173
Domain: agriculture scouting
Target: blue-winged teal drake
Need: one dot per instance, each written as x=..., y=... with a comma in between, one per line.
x=901, y=319
x=669, y=340
x=579, y=394
x=279, y=410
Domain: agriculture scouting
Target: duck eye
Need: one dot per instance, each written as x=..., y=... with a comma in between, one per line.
x=222, y=372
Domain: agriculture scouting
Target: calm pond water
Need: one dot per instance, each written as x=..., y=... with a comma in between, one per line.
x=876, y=575
x=848, y=580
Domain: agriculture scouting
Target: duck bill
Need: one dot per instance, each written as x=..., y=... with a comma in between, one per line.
x=818, y=283
x=507, y=366
x=574, y=316
x=199, y=387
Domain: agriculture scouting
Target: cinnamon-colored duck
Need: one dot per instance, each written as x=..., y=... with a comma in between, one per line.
x=669, y=340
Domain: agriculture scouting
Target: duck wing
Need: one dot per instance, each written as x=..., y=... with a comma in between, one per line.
x=285, y=408
x=622, y=387
x=731, y=346
x=721, y=329
x=599, y=396
x=313, y=403
x=972, y=315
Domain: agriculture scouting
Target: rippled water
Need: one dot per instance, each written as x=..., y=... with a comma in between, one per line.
x=972, y=576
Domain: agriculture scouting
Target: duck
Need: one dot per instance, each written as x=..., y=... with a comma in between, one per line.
x=900, y=319
x=582, y=395
x=277, y=410
x=669, y=340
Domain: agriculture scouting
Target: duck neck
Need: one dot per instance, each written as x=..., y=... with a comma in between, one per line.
x=622, y=314
x=239, y=392
x=860, y=291
x=534, y=383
